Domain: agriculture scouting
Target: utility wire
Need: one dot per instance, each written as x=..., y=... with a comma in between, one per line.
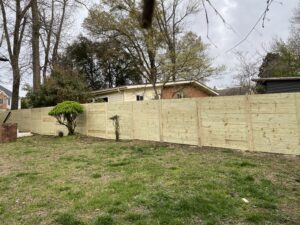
x=262, y=17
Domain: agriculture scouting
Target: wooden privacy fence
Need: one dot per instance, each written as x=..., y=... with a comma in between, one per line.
x=265, y=123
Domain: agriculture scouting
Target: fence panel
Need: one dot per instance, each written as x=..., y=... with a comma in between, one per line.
x=180, y=121
x=224, y=122
x=266, y=123
x=145, y=120
x=274, y=122
x=95, y=115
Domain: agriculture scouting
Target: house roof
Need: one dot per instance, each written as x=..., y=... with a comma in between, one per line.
x=6, y=91
x=140, y=86
x=263, y=80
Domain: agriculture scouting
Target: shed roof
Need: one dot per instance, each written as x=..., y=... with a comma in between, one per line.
x=263, y=80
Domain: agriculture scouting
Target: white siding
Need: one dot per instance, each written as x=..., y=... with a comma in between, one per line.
x=130, y=95
x=113, y=97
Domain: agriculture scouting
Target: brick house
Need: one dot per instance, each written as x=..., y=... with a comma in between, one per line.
x=5, y=98
x=144, y=92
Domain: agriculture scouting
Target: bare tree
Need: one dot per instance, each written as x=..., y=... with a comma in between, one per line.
x=294, y=39
x=121, y=23
x=57, y=35
x=161, y=52
x=47, y=22
x=247, y=69
x=14, y=32
x=2, y=57
x=170, y=17
x=55, y=17
x=35, y=42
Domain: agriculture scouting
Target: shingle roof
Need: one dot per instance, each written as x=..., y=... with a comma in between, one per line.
x=6, y=91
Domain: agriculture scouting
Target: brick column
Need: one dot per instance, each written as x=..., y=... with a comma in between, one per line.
x=8, y=132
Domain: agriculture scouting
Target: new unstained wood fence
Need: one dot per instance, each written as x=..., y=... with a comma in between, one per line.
x=266, y=123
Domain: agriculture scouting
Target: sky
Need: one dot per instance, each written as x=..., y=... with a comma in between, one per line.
x=240, y=16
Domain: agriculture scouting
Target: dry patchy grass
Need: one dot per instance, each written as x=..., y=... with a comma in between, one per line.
x=85, y=181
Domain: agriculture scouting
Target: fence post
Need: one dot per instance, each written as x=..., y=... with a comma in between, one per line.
x=160, y=119
x=249, y=123
x=86, y=118
x=297, y=106
x=132, y=122
x=106, y=120
x=199, y=122
x=30, y=120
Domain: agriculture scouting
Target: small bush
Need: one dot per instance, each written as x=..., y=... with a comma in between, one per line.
x=104, y=220
x=66, y=114
x=67, y=219
x=1, y=209
x=60, y=134
x=96, y=175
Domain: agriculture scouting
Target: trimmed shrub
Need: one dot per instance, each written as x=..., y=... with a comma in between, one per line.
x=66, y=114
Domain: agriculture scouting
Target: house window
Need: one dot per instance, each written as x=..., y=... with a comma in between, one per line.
x=1, y=101
x=140, y=98
x=8, y=101
x=105, y=99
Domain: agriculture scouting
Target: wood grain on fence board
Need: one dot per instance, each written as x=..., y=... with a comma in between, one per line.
x=266, y=123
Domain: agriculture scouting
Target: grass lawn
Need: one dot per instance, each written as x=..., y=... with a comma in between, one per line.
x=78, y=180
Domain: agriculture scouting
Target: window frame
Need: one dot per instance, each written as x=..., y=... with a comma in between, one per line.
x=139, y=98
x=104, y=99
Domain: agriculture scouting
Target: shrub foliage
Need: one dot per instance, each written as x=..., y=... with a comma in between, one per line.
x=66, y=114
x=64, y=84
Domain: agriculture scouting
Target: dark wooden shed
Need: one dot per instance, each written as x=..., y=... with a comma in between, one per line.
x=279, y=84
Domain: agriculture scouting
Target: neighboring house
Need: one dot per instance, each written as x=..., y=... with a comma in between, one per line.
x=279, y=84
x=144, y=92
x=5, y=98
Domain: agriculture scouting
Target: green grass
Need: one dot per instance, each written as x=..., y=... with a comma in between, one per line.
x=84, y=181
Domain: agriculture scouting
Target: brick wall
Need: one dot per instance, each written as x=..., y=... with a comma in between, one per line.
x=8, y=132
x=186, y=91
x=4, y=100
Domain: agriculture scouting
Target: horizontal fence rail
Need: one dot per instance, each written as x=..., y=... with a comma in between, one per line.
x=264, y=123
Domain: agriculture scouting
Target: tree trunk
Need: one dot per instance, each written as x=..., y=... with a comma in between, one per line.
x=35, y=46
x=15, y=88
x=57, y=41
x=71, y=124
x=71, y=131
x=173, y=61
x=14, y=45
x=49, y=32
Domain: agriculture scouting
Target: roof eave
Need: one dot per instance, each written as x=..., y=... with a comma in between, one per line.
x=275, y=79
x=139, y=86
x=208, y=89
x=108, y=91
x=5, y=94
